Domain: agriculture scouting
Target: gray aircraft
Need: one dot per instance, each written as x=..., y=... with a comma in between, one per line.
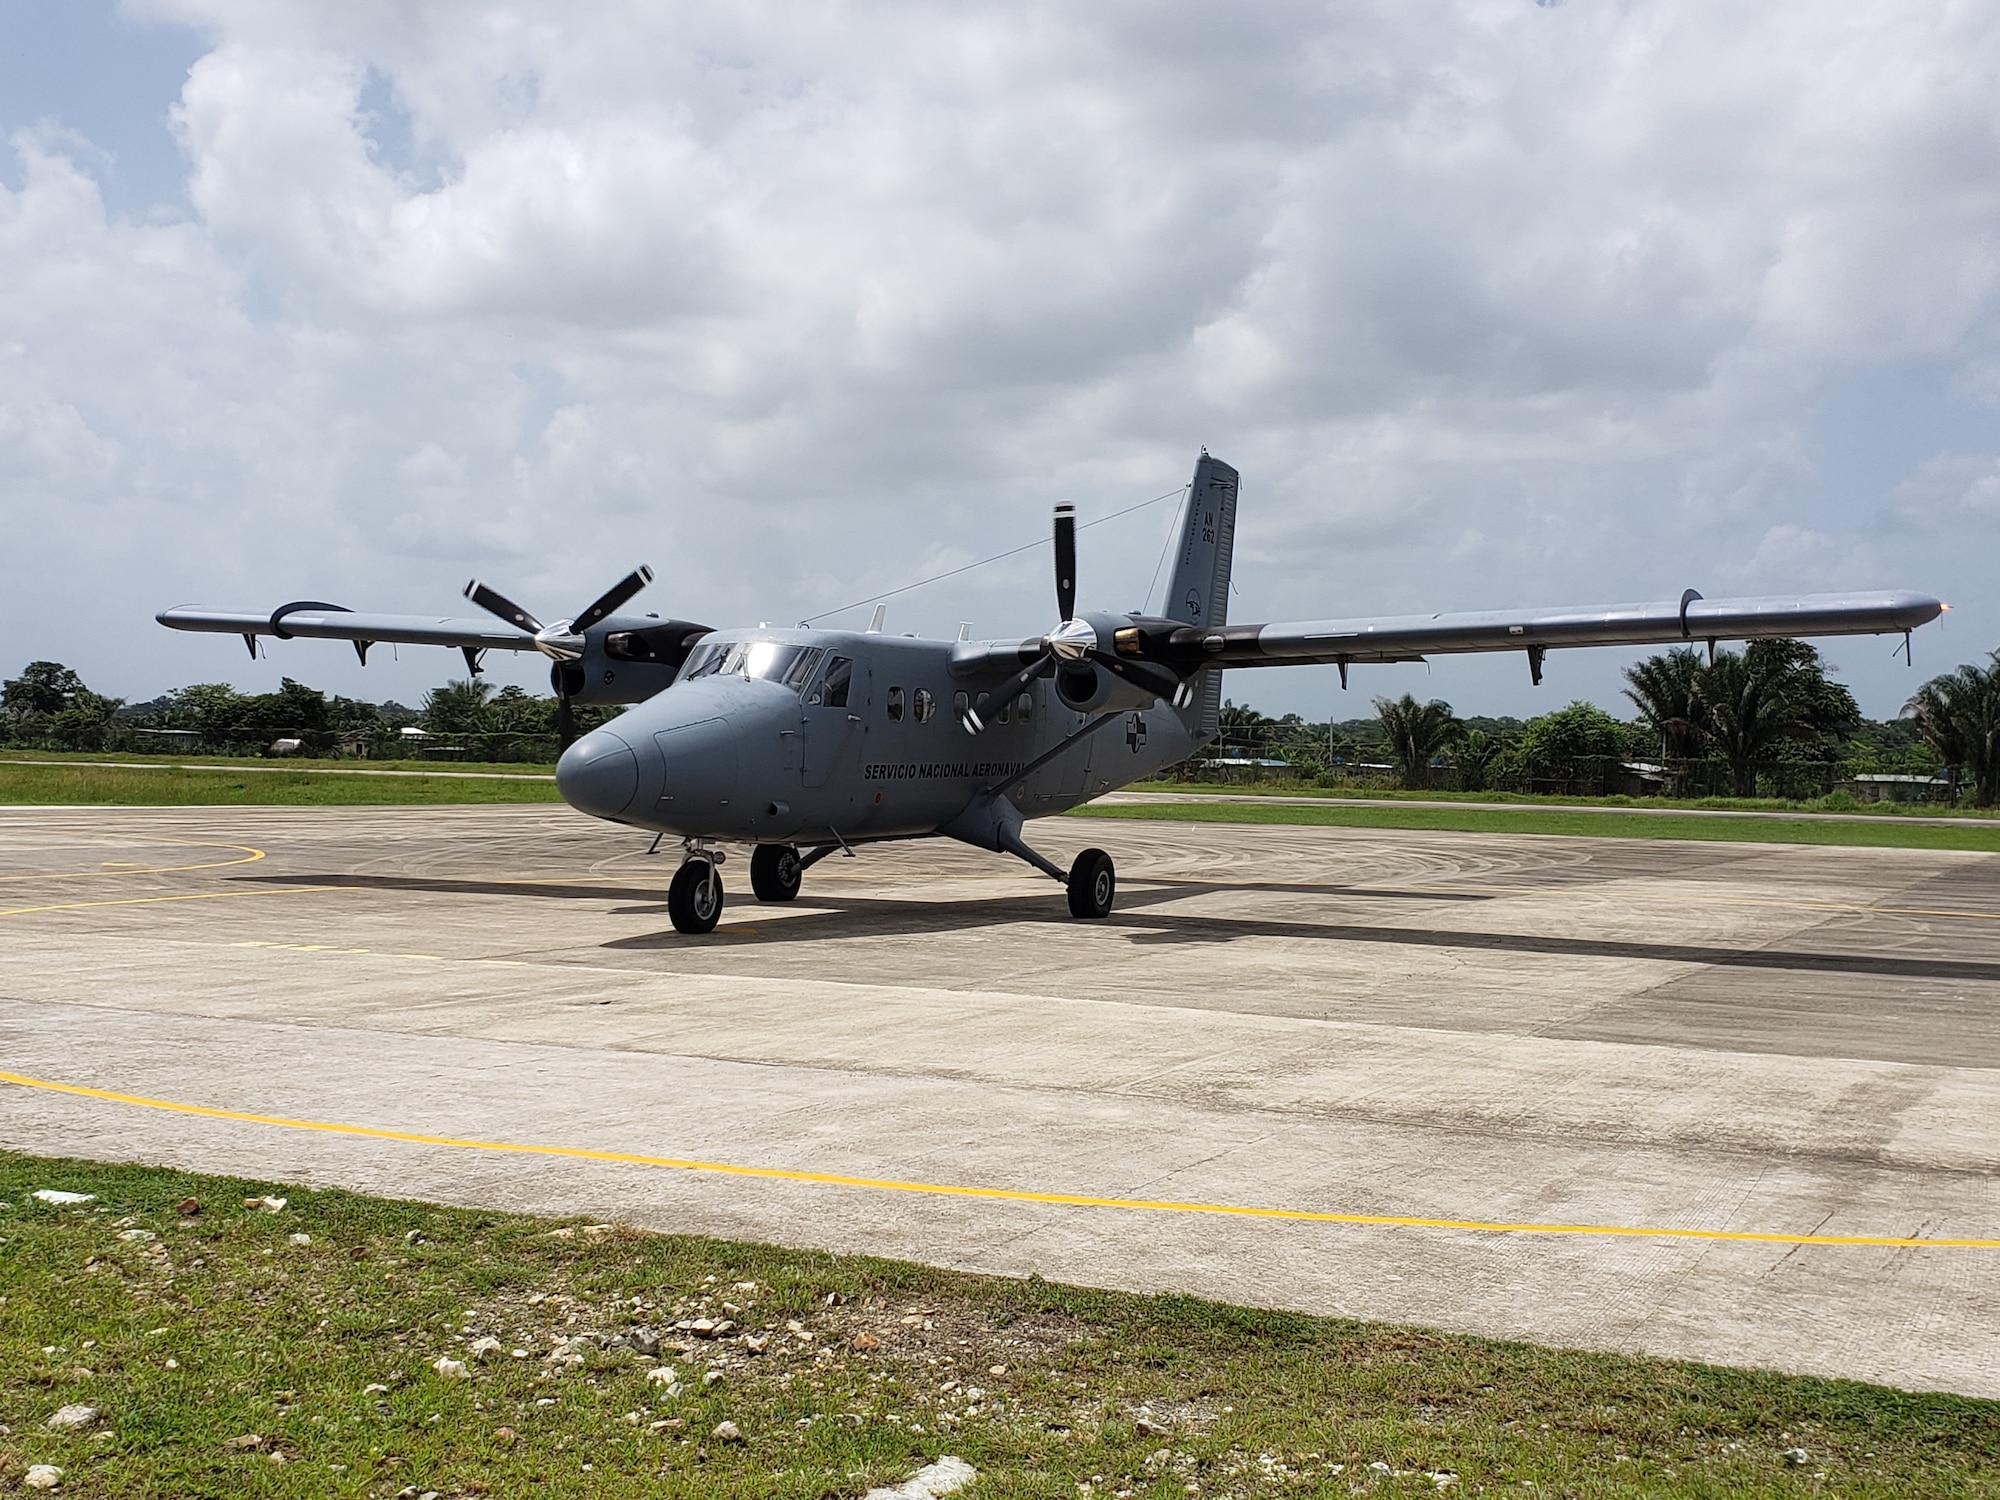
x=807, y=743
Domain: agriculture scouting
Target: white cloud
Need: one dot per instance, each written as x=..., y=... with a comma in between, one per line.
x=1489, y=301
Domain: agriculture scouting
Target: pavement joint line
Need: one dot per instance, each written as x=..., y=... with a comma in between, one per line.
x=996, y=1194
x=289, y=890
x=1698, y=900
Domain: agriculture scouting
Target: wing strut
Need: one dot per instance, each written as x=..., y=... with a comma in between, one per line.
x=1048, y=755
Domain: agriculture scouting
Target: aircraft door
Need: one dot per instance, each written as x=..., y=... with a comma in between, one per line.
x=833, y=718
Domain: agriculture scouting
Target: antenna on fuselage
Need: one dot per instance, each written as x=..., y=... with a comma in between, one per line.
x=881, y=614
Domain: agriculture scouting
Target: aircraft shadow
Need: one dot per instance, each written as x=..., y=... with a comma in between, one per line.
x=1140, y=922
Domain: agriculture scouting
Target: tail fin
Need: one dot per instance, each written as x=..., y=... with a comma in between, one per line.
x=1198, y=591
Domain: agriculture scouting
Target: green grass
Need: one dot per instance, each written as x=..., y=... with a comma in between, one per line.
x=227, y=1360
x=1837, y=802
x=290, y=784
x=1972, y=835
x=295, y=762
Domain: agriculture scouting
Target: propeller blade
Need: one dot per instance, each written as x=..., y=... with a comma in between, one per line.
x=1160, y=681
x=495, y=602
x=614, y=596
x=1066, y=560
x=977, y=716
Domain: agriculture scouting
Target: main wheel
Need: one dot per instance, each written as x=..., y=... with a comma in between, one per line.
x=775, y=872
x=694, y=900
x=1092, y=883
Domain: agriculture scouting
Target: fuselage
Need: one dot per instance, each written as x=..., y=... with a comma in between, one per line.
x=816, y=737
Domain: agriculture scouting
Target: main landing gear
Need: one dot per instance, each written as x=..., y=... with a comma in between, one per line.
x=1091, y=880
x=775, y=872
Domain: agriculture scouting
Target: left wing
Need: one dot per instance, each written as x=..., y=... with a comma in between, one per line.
x=1669, y=622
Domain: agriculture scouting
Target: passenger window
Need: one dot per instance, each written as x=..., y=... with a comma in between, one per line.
x=1006, y=714
x=960, y=703
x=926, y=705
x=833, y=687
x=1025, y=702
x=896, y=705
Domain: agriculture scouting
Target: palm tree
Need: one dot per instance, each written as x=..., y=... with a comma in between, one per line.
x=1474, y=755
x=1416, y=732
x=1662, y=688
x=459, y=707
x=1747, y=712
x=1959, y=717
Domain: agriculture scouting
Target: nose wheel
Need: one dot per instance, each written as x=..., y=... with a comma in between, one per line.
x=694, y=900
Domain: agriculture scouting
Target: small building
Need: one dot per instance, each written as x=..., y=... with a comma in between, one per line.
x=1896, y=786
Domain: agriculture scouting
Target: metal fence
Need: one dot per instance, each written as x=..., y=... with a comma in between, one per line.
x=386, y=743
x=1291, y=754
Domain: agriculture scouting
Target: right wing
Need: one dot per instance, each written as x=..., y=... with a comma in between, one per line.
x=329, y=622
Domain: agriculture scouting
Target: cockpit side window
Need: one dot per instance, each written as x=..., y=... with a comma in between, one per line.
x=832, y=689
x=800, y=672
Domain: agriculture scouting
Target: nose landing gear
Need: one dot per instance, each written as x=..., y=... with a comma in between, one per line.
x=694, y=900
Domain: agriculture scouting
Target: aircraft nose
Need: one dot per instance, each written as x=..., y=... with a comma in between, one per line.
x=598, y=775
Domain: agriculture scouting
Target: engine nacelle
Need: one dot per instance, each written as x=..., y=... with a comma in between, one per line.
x=626, y=661
x=1087, y=687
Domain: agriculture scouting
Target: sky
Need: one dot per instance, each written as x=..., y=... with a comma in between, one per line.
x=1491, y=302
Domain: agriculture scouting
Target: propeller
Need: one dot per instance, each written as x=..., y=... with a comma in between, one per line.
x=562, y=641
x=1071, y=644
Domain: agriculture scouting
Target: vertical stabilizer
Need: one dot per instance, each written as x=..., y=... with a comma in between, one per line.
x=1198, y=591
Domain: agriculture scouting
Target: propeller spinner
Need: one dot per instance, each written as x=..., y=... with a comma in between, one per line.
x=561, y=641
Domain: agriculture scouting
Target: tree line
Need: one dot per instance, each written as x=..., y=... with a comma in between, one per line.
x=1766, y=717
x=50, y=707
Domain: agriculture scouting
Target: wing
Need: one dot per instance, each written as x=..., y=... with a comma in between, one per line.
x=1671, y=622
x=330, y=622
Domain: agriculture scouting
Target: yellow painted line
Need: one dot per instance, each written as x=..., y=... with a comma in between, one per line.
x=249, y=857
x=287, y=890
x=1006, y=1195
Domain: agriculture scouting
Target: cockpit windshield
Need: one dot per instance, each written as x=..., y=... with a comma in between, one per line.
x=766, y=661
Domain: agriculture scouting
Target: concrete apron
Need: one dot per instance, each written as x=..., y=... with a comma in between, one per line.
x=1258, y=1071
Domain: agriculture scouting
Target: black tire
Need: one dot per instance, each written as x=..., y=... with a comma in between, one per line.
x=1093, y=883
x=775, y=872
x=694, y=900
